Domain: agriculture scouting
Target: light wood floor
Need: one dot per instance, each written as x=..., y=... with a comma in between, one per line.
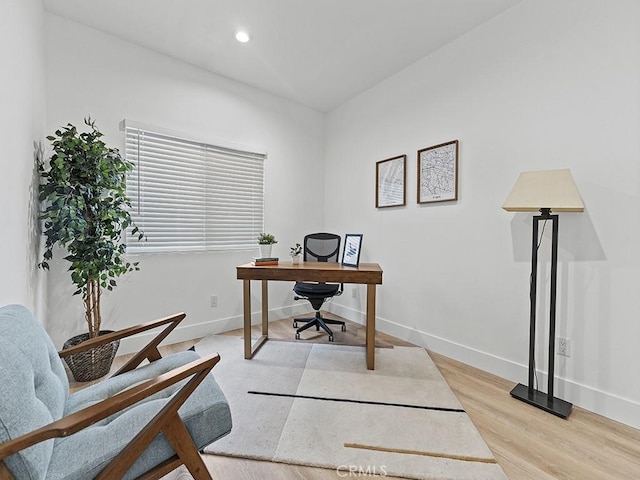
x=528, y=443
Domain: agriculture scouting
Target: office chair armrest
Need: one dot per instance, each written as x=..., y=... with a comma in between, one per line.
x=149, y=352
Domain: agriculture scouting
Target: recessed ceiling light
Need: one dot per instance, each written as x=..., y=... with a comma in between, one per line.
x=242, y=37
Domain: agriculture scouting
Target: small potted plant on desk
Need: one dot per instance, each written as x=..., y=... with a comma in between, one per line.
x=295, y=254
x=266, y=241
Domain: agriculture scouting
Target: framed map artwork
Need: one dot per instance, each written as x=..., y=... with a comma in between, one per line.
x=438, y=173
x=390, y=182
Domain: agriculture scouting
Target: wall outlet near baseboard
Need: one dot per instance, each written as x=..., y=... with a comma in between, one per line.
x=564, y=345
x=214, y=301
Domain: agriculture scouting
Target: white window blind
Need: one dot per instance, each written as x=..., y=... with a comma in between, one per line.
x=192, y=196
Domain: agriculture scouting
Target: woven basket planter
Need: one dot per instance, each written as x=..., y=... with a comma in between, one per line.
x=91, y=364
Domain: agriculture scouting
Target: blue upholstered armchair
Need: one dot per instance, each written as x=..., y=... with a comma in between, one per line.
x=143, y=422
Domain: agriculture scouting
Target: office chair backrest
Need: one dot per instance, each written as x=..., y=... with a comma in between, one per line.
x=321, y=247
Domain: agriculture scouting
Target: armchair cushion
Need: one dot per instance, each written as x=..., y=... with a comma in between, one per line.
x=33, y=387
x=205, y=413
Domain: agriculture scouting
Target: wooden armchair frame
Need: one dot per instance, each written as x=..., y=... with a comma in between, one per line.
x=149, y=352
x=166, y=421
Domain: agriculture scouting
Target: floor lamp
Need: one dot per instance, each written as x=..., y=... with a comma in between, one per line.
x=544, y=191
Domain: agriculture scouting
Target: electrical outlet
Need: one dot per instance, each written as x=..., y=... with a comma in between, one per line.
x=354, y=292
x=214, y=301
x=564, y=347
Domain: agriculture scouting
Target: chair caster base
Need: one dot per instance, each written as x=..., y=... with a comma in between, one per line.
x=318, y=322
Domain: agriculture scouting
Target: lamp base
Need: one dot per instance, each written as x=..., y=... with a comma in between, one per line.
x=539, y=399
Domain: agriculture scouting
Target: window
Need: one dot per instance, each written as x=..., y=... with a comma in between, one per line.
x=192, y=196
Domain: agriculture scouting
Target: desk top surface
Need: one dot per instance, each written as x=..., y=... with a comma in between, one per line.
x=312, y=271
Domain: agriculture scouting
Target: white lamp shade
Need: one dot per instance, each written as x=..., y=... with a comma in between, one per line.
x=553, y=189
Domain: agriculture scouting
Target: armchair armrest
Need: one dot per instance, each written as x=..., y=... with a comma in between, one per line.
x=149, y=352
x=88, y=416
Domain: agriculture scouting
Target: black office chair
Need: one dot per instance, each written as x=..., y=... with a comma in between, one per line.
x=318, y=247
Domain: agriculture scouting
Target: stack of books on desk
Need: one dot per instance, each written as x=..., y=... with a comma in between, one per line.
x=265, y=261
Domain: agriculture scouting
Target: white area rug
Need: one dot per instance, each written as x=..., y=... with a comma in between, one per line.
x=360, y=420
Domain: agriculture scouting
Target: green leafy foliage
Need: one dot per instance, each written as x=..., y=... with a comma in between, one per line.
x=266, y=239
x=84, y=207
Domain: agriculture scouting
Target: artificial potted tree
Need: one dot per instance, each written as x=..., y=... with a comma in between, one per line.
x=84, y=206
x=266, y=241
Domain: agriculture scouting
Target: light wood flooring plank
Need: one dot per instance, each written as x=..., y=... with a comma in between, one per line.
x=532, y=444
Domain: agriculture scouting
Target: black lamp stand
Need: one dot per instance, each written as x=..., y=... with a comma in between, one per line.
x=544, y=401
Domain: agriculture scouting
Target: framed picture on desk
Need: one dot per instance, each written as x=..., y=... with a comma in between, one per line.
x=351, y=252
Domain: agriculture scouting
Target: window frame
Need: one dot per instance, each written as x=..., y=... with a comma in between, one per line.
x=196, y=235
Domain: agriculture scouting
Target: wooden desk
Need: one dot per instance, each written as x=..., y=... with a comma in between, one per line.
x=369, y=274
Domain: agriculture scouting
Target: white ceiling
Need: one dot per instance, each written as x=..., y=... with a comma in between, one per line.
x=319, y=53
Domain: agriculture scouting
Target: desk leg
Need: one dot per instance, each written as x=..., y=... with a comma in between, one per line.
x=371, y=326
x=265, y=309
x=246, y=301
x=249, y=349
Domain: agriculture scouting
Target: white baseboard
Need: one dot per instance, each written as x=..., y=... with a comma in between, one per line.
x=193, y=331
x=603, y=403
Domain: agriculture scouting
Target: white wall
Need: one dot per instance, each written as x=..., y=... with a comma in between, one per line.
x=90, y=73
x=548, y=84
x=21, y=124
